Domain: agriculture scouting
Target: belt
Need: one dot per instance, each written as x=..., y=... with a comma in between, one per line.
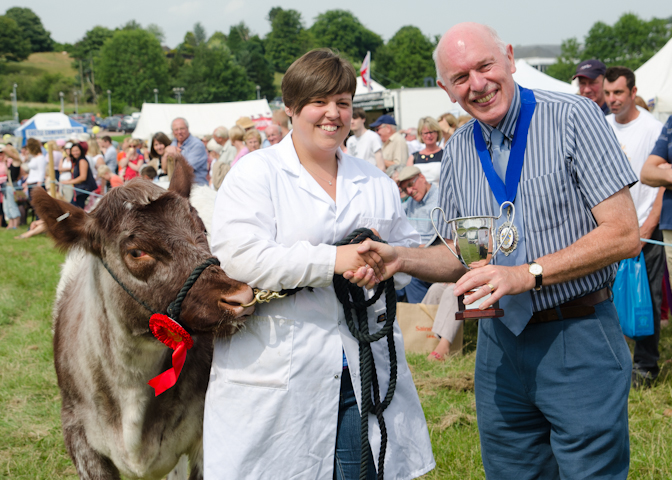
x=579, y=307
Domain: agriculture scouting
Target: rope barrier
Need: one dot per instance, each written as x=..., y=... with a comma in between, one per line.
x=646, y=240
x=48, y=182
x=655, y=242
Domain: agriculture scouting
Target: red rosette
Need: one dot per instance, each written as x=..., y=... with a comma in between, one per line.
x=169, y=332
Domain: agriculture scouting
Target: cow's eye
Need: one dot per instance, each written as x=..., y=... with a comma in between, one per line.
x=135, y=253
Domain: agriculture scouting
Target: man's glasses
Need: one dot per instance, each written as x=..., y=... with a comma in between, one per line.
x=409, y=184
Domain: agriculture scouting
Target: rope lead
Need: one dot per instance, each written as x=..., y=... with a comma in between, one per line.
x=345, y=290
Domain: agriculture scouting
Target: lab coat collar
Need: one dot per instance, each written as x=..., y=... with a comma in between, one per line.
x=350, y=175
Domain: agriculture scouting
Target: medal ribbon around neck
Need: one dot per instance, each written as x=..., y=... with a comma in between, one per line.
x=514, y=168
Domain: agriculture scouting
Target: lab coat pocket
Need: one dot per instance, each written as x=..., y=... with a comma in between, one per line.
x=381, y=225
x=260, y=354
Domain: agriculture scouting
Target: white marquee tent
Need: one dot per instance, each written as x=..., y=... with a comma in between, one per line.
x=203, y=118
x=361, y=89
x=654, y=81
x=529, y=77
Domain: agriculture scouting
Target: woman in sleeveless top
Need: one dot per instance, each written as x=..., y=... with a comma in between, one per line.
x=82, y=177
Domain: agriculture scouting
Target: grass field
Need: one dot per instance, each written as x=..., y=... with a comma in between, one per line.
x=32, y=445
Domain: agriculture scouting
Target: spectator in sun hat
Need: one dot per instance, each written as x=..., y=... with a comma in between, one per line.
x=245, y=123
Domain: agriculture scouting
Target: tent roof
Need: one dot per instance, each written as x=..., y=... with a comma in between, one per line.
x=529, y=77
x=361, y=89
x=654, y=79
x=50, y=126
x=203, y=118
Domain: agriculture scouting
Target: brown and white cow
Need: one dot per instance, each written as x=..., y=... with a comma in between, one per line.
x=104, y=352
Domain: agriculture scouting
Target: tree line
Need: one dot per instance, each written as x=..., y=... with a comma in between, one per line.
x=630, y=42
x=132, y=64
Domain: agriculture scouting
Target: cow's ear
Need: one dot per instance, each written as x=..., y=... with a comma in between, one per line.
x=183, y=177
x=67, y=224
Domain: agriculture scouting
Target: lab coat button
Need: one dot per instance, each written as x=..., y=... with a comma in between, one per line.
x=336, y=376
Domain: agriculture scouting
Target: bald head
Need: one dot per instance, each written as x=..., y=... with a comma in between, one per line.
x=476, y=69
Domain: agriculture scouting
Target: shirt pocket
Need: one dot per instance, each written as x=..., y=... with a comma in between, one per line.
x=260, y=354
x=545, y=200
x=382, y=225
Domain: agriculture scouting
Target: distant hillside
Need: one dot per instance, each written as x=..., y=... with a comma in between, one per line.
x=39, y=80
x=40, y=63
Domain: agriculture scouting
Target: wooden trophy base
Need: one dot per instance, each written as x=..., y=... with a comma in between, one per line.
x=475, y=313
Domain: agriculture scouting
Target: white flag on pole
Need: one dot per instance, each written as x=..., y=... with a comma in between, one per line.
x=365, y=71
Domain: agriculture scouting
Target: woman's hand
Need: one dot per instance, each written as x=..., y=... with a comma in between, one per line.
x=387, y=262
x=367, y=263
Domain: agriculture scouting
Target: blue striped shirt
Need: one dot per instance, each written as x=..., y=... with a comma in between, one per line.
x=572, y=163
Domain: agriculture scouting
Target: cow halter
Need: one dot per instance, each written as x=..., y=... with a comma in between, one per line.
x=166, y=328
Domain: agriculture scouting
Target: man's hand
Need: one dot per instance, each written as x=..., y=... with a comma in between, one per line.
x=503, y=280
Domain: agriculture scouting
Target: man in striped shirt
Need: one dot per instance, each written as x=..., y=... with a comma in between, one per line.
x=553, y=374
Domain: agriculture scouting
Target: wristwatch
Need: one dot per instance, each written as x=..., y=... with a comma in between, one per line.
x=536, y=270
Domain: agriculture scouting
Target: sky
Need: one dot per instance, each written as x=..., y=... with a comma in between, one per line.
x=519, y=22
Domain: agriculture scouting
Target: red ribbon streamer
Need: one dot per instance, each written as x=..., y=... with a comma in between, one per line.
x=167, y=379
x=171, y=333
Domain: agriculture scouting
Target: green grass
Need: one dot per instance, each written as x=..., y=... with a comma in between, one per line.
x=30, y=428
x=32, y=443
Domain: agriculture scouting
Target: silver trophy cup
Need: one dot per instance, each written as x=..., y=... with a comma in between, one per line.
x=476, y=241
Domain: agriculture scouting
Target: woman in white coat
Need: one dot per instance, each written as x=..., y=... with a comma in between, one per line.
x=281, y=403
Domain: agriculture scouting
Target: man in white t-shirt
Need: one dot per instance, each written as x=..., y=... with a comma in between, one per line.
x=364, y=144
x=637, y=132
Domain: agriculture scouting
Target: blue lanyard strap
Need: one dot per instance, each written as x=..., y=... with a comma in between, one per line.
x=514, y=168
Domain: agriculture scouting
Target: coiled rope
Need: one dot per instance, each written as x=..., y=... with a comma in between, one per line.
x=352, y=298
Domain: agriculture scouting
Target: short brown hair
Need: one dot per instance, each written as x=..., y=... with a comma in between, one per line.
x=613, y=73
x=34, y=146
x=358, y=113
x=318, y=73
x=281, y=118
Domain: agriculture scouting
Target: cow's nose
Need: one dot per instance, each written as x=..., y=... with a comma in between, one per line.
x=242, y=296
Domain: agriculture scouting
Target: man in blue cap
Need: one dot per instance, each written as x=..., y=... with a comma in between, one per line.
x=395, y=150
x=591, y=79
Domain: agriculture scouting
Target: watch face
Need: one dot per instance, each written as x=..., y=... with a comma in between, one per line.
x=535, y=269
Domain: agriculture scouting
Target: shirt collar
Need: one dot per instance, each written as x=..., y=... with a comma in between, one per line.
x=508, y=124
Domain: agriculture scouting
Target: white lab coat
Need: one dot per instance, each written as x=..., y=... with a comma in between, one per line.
x=271, y=410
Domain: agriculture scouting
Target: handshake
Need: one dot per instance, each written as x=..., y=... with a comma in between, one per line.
x=367, y=263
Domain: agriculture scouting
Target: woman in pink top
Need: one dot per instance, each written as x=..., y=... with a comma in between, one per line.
x=237, y=135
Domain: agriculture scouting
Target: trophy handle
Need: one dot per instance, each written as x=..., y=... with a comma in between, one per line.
x=508, y=230
x=443, y=214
